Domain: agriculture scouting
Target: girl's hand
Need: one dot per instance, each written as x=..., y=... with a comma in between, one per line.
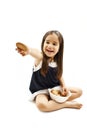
x=64, y=91
x=22, y=49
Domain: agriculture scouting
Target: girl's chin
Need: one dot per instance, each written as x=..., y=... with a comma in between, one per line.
x=49, y=56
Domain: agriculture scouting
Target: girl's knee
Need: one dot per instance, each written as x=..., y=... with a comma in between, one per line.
x=42, y=102
x=80, y=92
x=76, y=93
x=41, y=106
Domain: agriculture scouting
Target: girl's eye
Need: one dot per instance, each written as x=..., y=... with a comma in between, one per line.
x=47, y=42
x=54, y=44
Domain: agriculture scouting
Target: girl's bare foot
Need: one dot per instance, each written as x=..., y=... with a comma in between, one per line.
x=73, y=104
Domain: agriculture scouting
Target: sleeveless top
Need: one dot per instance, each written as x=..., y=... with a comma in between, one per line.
x=40, y=82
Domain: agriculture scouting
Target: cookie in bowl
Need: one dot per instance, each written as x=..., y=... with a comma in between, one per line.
x=56, y=94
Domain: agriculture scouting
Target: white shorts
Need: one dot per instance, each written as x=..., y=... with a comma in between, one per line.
x=45, y=91
x=57, y=98
x=32, y=96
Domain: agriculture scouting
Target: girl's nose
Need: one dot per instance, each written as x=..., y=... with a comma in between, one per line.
x=50, y=46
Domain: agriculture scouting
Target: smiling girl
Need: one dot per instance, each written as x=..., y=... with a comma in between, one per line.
x=47, y=73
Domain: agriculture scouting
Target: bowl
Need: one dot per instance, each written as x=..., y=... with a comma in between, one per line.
x=55, y=94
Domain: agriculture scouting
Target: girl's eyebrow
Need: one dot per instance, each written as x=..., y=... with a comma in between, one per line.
x=47, y=40
x=53, y=41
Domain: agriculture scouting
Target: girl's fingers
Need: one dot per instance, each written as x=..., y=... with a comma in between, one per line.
x=64, y=91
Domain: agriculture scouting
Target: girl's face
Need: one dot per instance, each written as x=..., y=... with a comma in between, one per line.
x=51, y=45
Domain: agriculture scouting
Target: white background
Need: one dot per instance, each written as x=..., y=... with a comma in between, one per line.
x=27, y=21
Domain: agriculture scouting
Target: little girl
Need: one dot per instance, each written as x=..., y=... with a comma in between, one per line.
x=47, y=73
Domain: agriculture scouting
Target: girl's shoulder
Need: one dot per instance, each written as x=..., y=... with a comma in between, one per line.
x=37, y=62
x=37, y=65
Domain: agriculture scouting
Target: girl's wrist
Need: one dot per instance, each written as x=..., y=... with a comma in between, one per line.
x=63, y=86
x=29, y=51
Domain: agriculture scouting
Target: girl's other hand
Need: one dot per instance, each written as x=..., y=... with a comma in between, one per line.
x=22, y=49
x=64, y=91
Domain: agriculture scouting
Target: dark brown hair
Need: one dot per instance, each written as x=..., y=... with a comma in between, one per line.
x=58, y=57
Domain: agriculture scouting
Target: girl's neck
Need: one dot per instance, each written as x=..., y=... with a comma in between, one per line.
x=51, y=60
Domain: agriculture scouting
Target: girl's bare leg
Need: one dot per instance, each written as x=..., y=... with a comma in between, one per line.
x=76, y=92
x=46, y=105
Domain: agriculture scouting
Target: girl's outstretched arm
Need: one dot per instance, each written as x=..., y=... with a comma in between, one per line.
x=35, y=53
x=25, y=50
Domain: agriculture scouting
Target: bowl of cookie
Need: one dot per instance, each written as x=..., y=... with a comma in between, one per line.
x=56, y=94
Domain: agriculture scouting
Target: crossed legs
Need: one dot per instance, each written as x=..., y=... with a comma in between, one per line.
x=45, y=104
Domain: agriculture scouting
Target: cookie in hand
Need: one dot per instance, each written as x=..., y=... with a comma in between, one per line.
x=21, y=46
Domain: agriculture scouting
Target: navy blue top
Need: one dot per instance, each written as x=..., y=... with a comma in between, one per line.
x=40, y=82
